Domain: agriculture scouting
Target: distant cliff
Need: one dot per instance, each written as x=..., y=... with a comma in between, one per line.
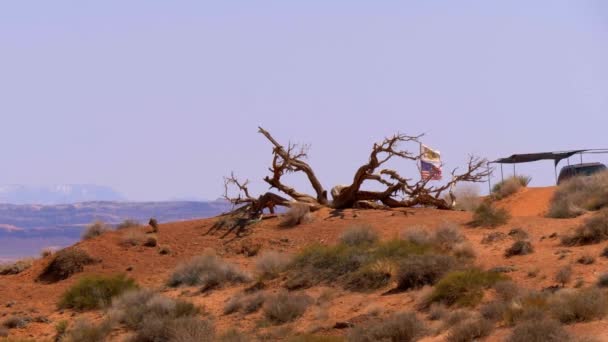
x=57, y=194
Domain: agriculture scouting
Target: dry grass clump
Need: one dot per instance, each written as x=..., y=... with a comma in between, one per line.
x=509, y=186
x=529, y=306
x=417, y=235
x=15, y=267
x=470, y=330
x=164, y=250
x=95, y=229
x=593, y=230
x=586, y=259
x=157, y=318
x=571, y=306
x=132, y=237
x=64, y=264
x=520, y=247
x=16, y=322
x=402, y=327
x=467, y=197
x=539, y=330
x=564, y=275
x=602, y=280
x=297, y=214
x=487, y=215
x=84, y=331
x=270, y=264
x=207, y=270
x=94, y=292
x=154, y=224
x=128, y=223
x=285, y=307
x=420, y=270
x=578, y=194
x=359, y=235
x=463, y=288
x=150, y=241
x=245, y=303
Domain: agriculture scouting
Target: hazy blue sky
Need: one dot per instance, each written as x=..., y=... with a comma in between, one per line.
x=160, y=99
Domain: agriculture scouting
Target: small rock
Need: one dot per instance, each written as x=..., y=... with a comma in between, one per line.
x=11, y=304
x=343, y=325
x=130, y=268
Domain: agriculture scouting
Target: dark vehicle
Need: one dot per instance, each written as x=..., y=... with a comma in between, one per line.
x=586, y=169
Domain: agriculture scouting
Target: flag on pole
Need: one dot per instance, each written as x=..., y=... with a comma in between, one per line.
x=430, y=163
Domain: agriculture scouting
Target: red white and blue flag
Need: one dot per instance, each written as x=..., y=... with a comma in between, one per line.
x=430, y=163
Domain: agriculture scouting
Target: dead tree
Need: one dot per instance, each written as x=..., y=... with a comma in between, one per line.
x=398, y=191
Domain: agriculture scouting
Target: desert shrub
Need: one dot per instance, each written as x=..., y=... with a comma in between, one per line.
x=402, y=327
x=518, y=234
x=245, y=303
x=47, y=252
x=563, y=275
x=506, y=290
x=15, y=267
x=447, y=235
x=187, y=329
x=154, y=224
x=85, y=331
x=593, y=230
x=150, y=241
x=154, y=317
x=95, y=229
x=298, y=213
x=602, y=280
x=207, y=270
x=470, y=330
x=420, y=270
x=16, y=322
x=463, y=288
x=359, y=235
x=467, y=197
x=493, y=237
x=493, y=311
x=487, y=215
x=61, y=329
x=543, y=330
x=586, y=259
x=285, y=307
x=520, y=247
x=578, y=194
x=509, y=186
x=571, y=306
x=370, y=277
x=93, y=292
x=270, y=264
x=128, y=223
x=64, y=264
x=132, y=237
x=164, y=250
x=233, y=335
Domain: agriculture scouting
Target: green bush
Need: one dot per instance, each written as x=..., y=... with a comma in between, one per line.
x=487, y=215
x=464, y=288
x=94, y=292
x=509, y=186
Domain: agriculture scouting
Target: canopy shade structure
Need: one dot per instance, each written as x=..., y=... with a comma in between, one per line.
x=532, y=157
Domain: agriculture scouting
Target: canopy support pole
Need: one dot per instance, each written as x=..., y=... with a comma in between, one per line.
x=502, y=176
x=555, y=170
x=514, y=172
x=489, y=179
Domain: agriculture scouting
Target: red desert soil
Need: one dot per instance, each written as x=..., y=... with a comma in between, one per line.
x=187, y=239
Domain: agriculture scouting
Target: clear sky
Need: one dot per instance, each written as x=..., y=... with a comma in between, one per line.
x=160, y=99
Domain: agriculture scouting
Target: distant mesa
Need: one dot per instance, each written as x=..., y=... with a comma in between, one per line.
x=57, y=194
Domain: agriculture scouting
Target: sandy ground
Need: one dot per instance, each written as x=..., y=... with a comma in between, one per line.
x=186, y=239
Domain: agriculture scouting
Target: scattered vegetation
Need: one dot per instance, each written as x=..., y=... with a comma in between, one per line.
x=593, y=230
x=578, y=194
x=487, y=215
x=463, y=288
x=207, y=270
x=15, y=267
x=16, y=322
x=509, y=186
x=520, y=247
x=564, y=275
x=128, y=223
x=402, y=327
x=85, y=331
x=571, y=306
x=245, y=303
x=586, y=259
x=297, y=214
x=64, y=264
x=94, y=230
x=470, y=330
x=94, y=292
x=359, y=235
x=150, y=241
x=132, y=237
x=467, y=197
x=602, y=280
x=285, y=307
x=539, y=330
x=420, y=270
x=270, y=264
